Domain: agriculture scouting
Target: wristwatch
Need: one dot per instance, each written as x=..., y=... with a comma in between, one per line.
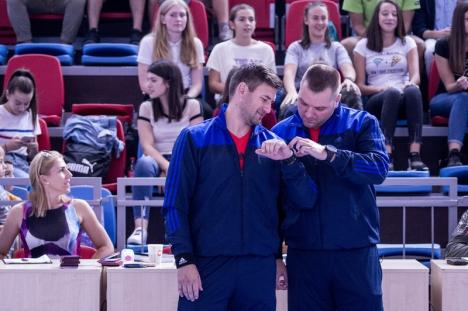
x=331, y=153
x=290, y=160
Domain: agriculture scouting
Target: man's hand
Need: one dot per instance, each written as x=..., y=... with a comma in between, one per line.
x=274, y=149
x=304, y=146
x=281, y=275
x=189, y=282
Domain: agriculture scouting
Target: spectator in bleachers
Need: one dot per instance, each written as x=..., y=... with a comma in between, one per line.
x=137, y=7
x=388, y=73
x=452, y=97
x=240, y=50
x=220, y=9
x=19, y=10
x=19, y=123
x=360, y=13
x=160, y=121
x=50, y=222
x=173, y=38
x=4, y=194
x=432, y=22
x=314, y=47
x=458, y=244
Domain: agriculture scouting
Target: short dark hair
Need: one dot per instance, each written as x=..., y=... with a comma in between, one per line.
x=253, y=75
x=374, y=32
x=319, y=77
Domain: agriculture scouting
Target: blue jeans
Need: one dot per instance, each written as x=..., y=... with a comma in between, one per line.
x=146, y=166
x=455, y=107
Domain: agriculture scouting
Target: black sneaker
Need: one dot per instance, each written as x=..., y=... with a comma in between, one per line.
x=415, y=162
x=454, y=158
x=92, y=37
x=135, y=36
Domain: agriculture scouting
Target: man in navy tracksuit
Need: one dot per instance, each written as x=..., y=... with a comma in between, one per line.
x=221, y=202
x=332, y=259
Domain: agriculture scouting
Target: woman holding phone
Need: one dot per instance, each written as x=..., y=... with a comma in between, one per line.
x=19, y=124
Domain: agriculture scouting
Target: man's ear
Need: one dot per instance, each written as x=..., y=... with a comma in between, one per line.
x=338, y=100
x=242, y=88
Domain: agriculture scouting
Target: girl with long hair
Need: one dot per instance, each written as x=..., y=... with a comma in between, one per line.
x=174, y=38
x=160, y=120
x=388, y=73
x=19, y=124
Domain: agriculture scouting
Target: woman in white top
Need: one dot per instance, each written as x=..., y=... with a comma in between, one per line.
x=240, y=50
x=160, y=120
x=388, y=60
x=19, y=124
x=174, y=38
x=314, y=47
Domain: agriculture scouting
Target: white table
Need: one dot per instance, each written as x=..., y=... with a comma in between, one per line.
x=149, y=289
x=449, y=286
x=405, y=285
x=49, y=287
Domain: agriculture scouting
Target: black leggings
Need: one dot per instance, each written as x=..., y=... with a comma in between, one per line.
x=390, y=104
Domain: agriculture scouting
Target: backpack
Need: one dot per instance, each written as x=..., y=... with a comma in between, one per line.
x=85, y=161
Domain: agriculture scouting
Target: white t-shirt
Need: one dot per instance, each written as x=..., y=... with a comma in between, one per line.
x=389, y=67
x=165, y=133
x=227, y=55
x=145, y=56
x=317, y=53
x=17, y=126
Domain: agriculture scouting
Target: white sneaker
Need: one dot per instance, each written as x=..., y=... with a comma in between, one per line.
x=138, y=236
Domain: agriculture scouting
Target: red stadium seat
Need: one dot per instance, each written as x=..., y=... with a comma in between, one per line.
x=433, y=85
x=43, y=140
x=123, y=112
x=49, y=83
x=295, y=19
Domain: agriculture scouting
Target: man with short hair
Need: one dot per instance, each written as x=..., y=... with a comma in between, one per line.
x=332, y=260
x=220, y=207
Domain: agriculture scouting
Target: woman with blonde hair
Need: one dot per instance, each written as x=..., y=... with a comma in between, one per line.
x=174, y=38
x=50, y=222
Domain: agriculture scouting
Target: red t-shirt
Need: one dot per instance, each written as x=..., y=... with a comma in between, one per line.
x=241, y=146
x=314, y=134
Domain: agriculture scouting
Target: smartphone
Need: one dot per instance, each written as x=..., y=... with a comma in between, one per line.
x=115, y=262
x=457, y=261
x=133, y=265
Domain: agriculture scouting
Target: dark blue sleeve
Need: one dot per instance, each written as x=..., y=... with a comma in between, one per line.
x=180, y=184
x=369, y=163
